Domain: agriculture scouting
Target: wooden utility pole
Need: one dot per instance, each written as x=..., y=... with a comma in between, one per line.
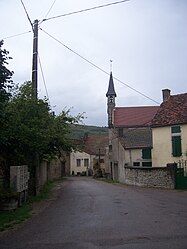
x=35, y=60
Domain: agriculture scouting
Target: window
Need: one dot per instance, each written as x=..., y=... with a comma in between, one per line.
x=176, y=129
x=110, y=148
x=146, y=164
x=176, y=146
x=78, y=162
x=136, y=164
x=176, y=141
x=146, y=153
x=86, y=162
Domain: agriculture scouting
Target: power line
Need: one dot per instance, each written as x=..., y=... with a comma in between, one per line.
x=27, y=14
x=48, y=11
x=16, y=35
x=43, y=78
x=94, y=65
x=85, y=10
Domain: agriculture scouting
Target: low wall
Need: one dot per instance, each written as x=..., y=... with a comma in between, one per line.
x=48, y=171
x=150, y=177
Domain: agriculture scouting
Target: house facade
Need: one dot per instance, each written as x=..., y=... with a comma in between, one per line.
x=169, y=129
x=80, y=162
x=90, y=157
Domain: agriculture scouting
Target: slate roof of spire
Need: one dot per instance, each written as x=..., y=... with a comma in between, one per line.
x=111, y=90
x=172, y=111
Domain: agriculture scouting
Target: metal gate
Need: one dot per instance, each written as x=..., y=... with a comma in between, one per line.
x=181, y=175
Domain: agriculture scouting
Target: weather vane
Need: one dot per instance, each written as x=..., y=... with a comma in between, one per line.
x=111, y=65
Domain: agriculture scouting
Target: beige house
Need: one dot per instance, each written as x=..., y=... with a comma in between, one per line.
x=130, y=137
x=79, y=162
x=169, y=129
x=90, y=157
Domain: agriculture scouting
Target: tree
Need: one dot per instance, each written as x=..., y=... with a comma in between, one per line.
x=5, y=76
x=5, y=85
x=33, y=133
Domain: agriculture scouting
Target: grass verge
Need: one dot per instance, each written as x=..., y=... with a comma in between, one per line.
x=107, y=180
x=8, y=219
x=44, y=194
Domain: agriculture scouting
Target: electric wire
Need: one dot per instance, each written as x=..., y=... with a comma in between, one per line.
x=27, y=13
x=43, y=78
x=99, y=68
x=16, y=35
x=49, y=11
x=85, y=10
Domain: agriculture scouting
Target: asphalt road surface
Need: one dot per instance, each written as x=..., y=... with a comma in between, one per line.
x=90, y=214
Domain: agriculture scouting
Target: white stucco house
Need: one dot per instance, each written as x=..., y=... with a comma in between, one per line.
x=169, y=129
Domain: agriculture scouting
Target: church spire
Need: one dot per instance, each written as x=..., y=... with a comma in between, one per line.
x=111, y=90
x=111, y=94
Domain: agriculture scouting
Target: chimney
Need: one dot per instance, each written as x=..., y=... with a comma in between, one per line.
x=165, y=94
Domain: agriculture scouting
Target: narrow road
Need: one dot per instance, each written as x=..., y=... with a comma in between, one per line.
x=90, y=214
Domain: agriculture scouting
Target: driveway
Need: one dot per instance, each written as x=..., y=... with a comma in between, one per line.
x=90, y=214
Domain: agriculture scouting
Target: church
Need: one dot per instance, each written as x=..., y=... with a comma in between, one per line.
x=130, y=136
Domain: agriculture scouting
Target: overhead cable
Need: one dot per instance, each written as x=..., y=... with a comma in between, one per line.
x=16, y=35
x=48, y=11
x=43, y=78
x=94, y=65
x=27, y=14
x=85, y=10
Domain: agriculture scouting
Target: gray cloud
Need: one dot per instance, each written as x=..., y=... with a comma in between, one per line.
x=146, y=39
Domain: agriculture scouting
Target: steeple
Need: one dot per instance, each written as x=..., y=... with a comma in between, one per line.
x=111, y=90
x=111, y=94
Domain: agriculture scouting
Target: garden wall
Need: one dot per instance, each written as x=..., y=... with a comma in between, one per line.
x=160, y=177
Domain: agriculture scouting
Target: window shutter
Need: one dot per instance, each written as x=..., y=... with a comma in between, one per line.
x=176, y=146
x=146, y=153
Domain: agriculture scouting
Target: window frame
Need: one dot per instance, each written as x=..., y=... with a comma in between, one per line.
x=78, y=160
x=86, y=162
x=176, y=144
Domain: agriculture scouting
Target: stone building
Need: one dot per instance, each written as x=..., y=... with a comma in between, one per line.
x=130, y=137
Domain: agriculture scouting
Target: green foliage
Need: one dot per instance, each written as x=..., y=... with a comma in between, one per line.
x=45, y=193
x=29, y=132
x=78, y=131
x=10, y=218
x=7, y=194
x=5, y=74
x=5, y=85
x=32, y=127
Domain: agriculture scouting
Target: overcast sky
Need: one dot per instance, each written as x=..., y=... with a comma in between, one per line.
x=146, y=39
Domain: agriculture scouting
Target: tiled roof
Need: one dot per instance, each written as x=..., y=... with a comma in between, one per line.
x=93, y=143
x=134, y=116
x=172, y=111
x=137, y=138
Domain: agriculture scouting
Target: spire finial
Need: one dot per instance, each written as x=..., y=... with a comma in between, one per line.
x=111, y=65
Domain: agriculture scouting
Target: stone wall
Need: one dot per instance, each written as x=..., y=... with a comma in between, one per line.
x=48, y=171
x=150, y=177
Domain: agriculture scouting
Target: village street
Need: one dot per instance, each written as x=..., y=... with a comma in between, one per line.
x=90, y=214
